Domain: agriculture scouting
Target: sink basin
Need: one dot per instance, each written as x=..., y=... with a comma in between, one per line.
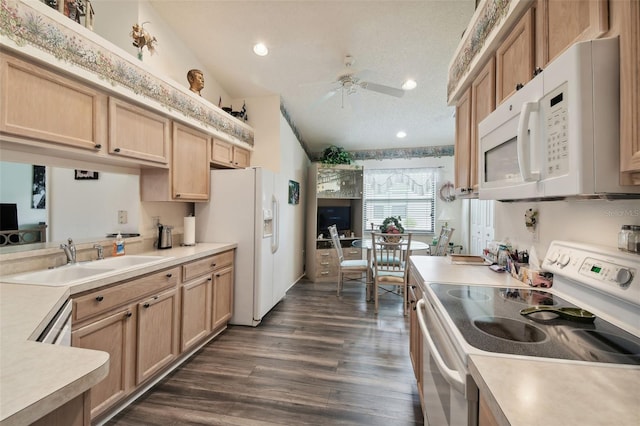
x=82, y=272
x=58, y=276
x=126, y=261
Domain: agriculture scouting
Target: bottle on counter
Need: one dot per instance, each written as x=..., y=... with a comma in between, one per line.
x=118, y=245
x=633, y=239
x=623, y=237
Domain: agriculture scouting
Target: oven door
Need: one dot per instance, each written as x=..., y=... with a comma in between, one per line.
x=450, y=395
x=510, y=151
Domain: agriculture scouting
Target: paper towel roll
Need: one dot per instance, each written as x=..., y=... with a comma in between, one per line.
x=189, y=231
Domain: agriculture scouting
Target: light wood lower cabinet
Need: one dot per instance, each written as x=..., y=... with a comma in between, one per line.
x=196, y=311
x=39, y=104
x=485, y=415
x=157, y=337
x=73, y=413
x=222, y=297
x=415, y=334
x=114, y=334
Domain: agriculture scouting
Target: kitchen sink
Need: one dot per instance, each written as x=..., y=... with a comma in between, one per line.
x=123, y=261
x=82, y=272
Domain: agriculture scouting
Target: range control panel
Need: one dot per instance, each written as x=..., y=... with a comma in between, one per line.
x=606, y=269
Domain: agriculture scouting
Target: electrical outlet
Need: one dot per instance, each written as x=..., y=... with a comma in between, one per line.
x=122, y=217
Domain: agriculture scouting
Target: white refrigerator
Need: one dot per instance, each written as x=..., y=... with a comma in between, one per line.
x=243, y=208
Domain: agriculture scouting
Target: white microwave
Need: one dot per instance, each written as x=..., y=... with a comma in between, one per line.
x=558, y=136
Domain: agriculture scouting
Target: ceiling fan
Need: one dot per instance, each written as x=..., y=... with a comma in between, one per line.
x=349, y=82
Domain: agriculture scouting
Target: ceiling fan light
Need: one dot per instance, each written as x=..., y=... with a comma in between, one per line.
x=401, y=134
x=260, y=49
x=409, y=84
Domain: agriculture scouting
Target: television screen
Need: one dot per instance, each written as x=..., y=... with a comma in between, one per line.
x=334, y=215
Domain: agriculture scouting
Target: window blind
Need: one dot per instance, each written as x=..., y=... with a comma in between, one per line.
x=408, y=193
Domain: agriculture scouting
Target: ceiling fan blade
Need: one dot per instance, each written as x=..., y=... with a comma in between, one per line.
x=324, y=98
x=386, y=90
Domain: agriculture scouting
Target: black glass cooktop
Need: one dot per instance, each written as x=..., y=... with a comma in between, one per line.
x=489, y=319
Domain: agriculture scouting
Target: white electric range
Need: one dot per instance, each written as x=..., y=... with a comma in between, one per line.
x=461, y=319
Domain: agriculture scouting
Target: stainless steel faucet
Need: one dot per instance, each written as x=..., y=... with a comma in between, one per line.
x=69, y=250
x=100, y=251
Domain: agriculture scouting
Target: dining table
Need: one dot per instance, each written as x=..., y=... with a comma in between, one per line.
x=367, y=244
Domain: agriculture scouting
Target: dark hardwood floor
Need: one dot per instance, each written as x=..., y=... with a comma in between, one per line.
x=316, y=359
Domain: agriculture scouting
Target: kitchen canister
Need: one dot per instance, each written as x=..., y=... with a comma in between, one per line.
x=189, y=238
x=623, y=237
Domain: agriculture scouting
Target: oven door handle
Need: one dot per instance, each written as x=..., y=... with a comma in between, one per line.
x=453, y=377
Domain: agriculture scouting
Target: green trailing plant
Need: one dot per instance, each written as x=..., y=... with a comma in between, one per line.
x=392, y=225
x=336, y=155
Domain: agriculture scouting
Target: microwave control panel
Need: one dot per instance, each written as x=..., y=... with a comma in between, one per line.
x=554, y=119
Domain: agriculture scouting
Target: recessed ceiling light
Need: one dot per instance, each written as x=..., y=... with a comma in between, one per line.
x=409, y=85
x=401, y=134
x=260, y=49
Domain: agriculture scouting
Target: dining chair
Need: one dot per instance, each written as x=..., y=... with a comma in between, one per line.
x=391, y=264
x=349, y=266
x=443, y=242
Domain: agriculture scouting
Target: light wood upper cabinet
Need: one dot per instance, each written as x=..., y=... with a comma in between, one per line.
x=463, y=144
x=483, y=102
x=228, y=155
x=39, y=104
x=138, y=133
x=190, y=167
x=187, y=179
x=564, y=22
x=157, y=337
x=515, y=58
x=628, y=14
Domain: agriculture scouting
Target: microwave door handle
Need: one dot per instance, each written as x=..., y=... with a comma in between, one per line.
x=453, y=377
x=523, y=143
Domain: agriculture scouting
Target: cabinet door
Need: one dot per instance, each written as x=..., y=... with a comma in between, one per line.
x=565, y=22
x=196, y=311
x=190, y=164
x=222, y=297
x=221, y=153
x=39, y=104
x=415, y=334
x=483, y=102
x=515, y=58
x=630, y=95
x=113, y=334
x=462, y=156
x=137, y=133
x=157, y=334
x=241, y=157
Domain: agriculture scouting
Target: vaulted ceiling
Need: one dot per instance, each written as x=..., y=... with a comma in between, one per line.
x=389, y=41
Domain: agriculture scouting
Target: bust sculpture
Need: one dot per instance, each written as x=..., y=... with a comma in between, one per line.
x=196, y=80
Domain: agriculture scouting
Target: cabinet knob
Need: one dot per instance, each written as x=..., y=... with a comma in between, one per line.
x=209, y=279
x=98, y=146
x=128, y=314
x=177, y=195
x=519, y=86
x=116, y=150
x=169, y=275
x=100, y=298
x=213, y=265
x=146, y=305
x=537, y=71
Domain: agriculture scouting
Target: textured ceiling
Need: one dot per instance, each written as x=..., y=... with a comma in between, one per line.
x=307, y=40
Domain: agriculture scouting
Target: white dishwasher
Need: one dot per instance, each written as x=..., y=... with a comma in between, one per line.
x=58, y=331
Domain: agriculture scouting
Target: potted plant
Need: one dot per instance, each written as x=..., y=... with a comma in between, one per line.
x=335, y=155
x=392, y=225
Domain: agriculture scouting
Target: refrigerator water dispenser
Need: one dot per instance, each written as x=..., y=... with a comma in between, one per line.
x=267, y=223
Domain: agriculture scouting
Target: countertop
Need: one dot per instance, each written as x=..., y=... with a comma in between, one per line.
x=37, y=378
x=534, y=391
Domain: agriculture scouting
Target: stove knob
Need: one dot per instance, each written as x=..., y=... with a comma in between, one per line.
x=624, y=277
x=564, y=260
x=553, y=257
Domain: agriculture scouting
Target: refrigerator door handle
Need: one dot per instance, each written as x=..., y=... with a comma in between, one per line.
x=275, y=237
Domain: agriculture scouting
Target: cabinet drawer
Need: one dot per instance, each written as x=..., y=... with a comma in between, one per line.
x=352, y=253
x=206, y=265
x=100, y=301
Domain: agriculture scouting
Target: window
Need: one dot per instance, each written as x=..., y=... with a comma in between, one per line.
x=408, y=193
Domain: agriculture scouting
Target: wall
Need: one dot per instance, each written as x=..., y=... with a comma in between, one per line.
x=269, y=137
x=453, y=210
x=587, y=221
x=84, y=209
